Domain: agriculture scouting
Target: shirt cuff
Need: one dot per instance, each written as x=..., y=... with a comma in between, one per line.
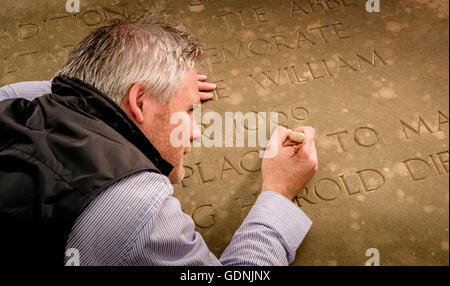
x=283, y=216
x=6, y=92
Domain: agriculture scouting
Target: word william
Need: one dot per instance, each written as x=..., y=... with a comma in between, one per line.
x=294, y=75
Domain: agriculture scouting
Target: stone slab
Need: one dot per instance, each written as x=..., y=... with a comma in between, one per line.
x=374, y=85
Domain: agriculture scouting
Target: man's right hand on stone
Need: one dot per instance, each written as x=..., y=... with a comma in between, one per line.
x=285, y=174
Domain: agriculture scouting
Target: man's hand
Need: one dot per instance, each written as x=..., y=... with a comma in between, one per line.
x=285, y=174
x=205, y=88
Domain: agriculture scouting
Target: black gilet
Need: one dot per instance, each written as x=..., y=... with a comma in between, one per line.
x=57, y=153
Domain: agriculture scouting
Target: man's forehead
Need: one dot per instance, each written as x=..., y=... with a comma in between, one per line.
x=188, y=92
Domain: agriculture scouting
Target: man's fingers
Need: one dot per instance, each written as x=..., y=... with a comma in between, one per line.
x=206, y=96
x=206, y=86
x=308, y=131
x=309, y=149
x=279, y=136
x=276, y=141
x=201, y=77
x=314, y=152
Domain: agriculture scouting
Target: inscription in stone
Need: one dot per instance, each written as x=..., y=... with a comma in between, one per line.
x=373, y=85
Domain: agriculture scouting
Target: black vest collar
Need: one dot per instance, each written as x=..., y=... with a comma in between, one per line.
x=90, y=100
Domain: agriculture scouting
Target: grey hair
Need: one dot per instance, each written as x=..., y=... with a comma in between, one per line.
x=142, y=49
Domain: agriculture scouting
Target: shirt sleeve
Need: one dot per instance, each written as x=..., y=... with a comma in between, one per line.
x=170, y=239
x=28, y=90
x=270, y=235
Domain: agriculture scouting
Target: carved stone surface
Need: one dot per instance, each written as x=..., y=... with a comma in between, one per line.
x=374, y=85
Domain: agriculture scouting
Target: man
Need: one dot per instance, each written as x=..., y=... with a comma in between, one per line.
x=88, y=166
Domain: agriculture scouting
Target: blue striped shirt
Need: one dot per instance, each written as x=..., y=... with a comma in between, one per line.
x=138, y=222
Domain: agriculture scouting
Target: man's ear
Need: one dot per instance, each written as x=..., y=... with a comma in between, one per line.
x=135, y=99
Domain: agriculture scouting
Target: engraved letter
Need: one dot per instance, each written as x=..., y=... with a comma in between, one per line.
x=203, y=216
x=260, y=14
x=345, y=65
x=332, y=6
x=235, y=55
x=279, y=41
x=247, y=168
x=123, y=15
x=220, y=56
x=225, y=19
x=324, y=39
x=443, y=161
x=183, y=185
x=260, y=53
x=440, y=116
x=27, y=31
x=97, y=18
x=375, y=55
x=303, y=195
x=366, y=144
x=338, y=190
x=303, y=38
x=346, y=186
x=295, y=7
x=419, y=125
x=225, y=160
x=312, y=4
x=414, y=176
x=365, y=184
x=337, y=27
x=339, y=138
x=313, y=74
x=203, y=178
x=296, y=116
x=269, y=78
